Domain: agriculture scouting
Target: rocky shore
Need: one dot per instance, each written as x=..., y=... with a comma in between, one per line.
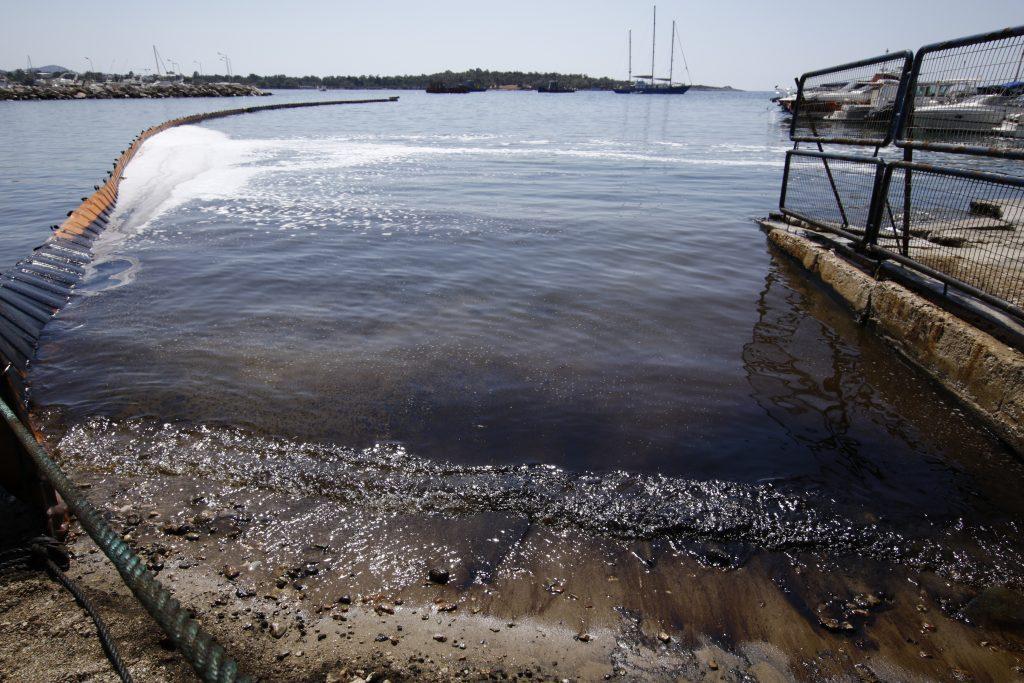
x=104, y=91
x=314, y=603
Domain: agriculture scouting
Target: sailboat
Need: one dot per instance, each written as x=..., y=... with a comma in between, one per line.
x=659, y=86
x=629, y=88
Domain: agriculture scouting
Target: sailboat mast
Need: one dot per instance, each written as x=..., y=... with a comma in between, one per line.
x=672, y=53
x=630, y=41
x=654, y=35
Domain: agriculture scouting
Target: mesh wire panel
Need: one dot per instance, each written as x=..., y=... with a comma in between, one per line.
x=829, y=191
x=970, y=228
x=850, y=104
x=968, y=96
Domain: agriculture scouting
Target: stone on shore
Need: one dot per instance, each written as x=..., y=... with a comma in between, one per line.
x=122, y=90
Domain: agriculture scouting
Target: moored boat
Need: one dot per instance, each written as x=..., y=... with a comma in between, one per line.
x=649, y=84
x=439, y=88
x=980, y=114
x=857, y=98
x=629, y=88
x=554, y=87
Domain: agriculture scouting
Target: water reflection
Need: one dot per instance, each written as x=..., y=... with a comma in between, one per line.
x=828, y=384
x=811, y=409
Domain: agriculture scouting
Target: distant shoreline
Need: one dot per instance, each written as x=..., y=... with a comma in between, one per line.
x=473, y=80
x=695, y=88
x=124, y=91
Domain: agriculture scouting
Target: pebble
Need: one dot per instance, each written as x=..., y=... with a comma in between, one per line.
x=440, y=637
x=204, y=517
x=664, y=637
x=174, y=529
x=833, y=624
x=384, y=608
x=441, y=576
x=584, y=637
x=869, y=600
x=277, y=629
x=713, y=665
x=231, y=571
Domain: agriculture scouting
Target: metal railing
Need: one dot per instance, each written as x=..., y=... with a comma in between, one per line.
x=961, y=226
x=832, y=192
x=966, y=96
x=852, y=104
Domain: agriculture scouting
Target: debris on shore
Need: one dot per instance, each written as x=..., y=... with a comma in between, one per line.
x=123, y=90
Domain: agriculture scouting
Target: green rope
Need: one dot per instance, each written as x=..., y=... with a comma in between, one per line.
x=208, y=658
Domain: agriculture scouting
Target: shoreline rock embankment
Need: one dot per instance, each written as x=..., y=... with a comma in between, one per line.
x=106, y=91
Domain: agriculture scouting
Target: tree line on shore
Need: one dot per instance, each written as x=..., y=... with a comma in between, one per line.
x=478, y=78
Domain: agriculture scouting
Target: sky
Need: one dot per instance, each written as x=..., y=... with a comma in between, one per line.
x=748, y=44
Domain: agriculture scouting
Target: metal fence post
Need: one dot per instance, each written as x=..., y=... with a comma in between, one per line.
x=879, y=197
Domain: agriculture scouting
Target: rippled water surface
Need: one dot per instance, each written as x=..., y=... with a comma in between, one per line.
x=486, y=281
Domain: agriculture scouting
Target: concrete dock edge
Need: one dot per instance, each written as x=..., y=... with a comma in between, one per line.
x=984, y=373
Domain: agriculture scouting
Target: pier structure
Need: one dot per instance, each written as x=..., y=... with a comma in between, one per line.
x=928, y=251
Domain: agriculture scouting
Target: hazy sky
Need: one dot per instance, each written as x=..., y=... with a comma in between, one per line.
x=750, y=44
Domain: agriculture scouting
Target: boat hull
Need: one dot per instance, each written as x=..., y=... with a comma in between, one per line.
x=667, y=90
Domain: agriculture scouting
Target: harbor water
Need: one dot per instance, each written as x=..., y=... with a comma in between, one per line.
x=465, y=310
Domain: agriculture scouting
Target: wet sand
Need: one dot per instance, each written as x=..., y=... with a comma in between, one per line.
x=554, y=604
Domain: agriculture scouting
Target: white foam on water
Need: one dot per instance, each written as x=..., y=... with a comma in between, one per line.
x=178, y=165
x=193, y=163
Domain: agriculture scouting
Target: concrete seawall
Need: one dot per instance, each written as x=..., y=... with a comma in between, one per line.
x=984, y=373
